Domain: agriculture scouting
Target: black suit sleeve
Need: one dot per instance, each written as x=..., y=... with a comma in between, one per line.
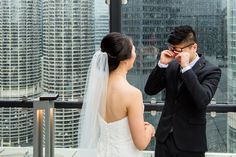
x=202, y=91
x=156, y=81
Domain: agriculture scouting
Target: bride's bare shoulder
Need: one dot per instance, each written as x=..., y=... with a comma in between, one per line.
x=125, y=89
x=132, y=91
x=132, y=97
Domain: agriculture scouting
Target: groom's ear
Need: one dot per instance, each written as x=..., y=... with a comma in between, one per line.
x=195, y=46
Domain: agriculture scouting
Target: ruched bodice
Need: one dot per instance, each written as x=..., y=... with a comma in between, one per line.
x=115, y=140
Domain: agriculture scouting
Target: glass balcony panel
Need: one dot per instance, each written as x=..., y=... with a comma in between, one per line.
x=149, y=22
x=220, y=131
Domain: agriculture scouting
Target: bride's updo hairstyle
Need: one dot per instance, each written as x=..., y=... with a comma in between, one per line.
x=118, y=48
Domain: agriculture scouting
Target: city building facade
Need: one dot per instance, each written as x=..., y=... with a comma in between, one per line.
x=20, y=66
x=149, y=22
x=231, y=35
x=68, y=45
x=101, y=22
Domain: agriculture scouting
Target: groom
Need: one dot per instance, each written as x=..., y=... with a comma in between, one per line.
x=190, y=82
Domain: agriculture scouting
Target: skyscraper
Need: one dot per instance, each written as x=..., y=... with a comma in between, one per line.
x=20, y=36
x=20, y=30
x=68, y=33
x=149, y=22
x=231, y=32
x=101, y=22
x=68, y=45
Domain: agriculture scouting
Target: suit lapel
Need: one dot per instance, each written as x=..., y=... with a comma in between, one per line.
x=200, y=64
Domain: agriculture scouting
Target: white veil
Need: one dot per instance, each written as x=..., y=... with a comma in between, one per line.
x=93, y=104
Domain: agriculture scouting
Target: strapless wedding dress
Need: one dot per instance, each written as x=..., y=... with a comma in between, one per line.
x=115, y=140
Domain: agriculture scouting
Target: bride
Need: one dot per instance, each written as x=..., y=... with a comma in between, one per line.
x=111, y=120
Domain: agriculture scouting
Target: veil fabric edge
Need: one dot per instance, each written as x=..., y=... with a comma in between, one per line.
x=94, y=104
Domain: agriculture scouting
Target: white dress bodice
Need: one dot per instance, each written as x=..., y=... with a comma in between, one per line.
x=115, y=140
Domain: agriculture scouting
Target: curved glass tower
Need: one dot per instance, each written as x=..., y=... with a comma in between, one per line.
x=20, y=71
x=20, y=40
x=68, y=45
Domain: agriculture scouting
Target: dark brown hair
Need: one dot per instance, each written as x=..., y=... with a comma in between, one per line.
x=118, y=48
x=182, y=34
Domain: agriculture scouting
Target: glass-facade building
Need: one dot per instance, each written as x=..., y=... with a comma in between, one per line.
x=68, y=45
x=149, y=22
x=231, y=35
x=20, y=37
x=20, y=67
x=101, y=23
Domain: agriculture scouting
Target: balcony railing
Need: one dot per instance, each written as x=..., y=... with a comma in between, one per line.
x=217, y=115
x=72, y=152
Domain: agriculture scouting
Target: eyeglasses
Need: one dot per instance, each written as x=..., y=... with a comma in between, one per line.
x=178, y=49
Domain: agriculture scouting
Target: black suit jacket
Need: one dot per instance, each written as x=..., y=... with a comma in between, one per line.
x=185, y=107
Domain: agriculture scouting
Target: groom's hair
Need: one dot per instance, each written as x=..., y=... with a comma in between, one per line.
x=182, y=34
x=118, y=47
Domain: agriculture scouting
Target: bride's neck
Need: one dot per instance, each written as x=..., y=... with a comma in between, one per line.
x=120, y=71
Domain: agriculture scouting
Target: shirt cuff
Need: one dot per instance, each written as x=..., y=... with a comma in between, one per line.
x=162, y=65
x=185, y=69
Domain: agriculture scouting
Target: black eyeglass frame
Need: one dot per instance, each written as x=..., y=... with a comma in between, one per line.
x=178, y=49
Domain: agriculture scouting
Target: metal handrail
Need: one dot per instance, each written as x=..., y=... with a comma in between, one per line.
x=222, y=108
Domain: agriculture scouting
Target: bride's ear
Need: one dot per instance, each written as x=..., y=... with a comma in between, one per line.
x=129, y=63
x=125, y=63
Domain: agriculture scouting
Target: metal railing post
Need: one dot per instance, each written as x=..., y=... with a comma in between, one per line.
x=115, y=14
x=44, y=105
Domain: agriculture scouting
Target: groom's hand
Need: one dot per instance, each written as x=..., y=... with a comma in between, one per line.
x=183, y=59
x=167, y=56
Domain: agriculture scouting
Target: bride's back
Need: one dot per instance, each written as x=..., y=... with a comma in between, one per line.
x=118, y=143
x=121, y=56
x=117, y=98
x=123, y=103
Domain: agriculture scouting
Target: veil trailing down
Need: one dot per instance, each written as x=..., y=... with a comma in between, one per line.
x=94, y=103
x=111, y=120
